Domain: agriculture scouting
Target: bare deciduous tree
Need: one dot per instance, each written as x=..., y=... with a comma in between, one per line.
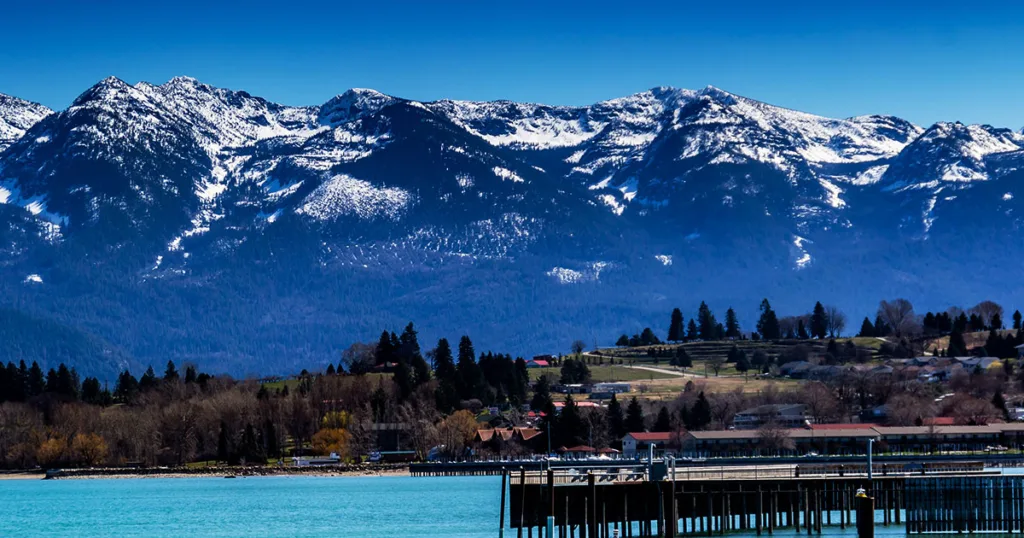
x=897, y=314
x=835, y=321
x=986, y=310
x=774, y=438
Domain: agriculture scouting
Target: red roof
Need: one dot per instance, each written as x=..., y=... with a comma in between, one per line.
x=649, y=437
x=859, y=426
x=539, y=362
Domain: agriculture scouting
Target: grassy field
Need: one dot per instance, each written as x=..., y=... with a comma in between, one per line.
x=972, y=340
x=605, y=374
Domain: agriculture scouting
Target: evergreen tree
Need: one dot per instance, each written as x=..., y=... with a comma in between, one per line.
x=470, y=377
x=616, y=420
x=634, y=416
x=961, y=323
x=541, y=394
x=957, y=346
x=191, y=374
x=881, y=329
x=623, y=341
x=768, y=323
x=171, y=373
x=691, y=330
x=447, y=393
x=273, y=447
x=732, y=324
x=683, y=359
x=148, y=380
x=36, y=381
x=664, y=421
x=996, y=322
x=91, y=391
x=223, y=444
x=701, y=413
x=1000, y=403
x=126, y=388
x=648, y=338
x=742, y=362
x=67, y=382
x=1016, y=319
x=706, y=324
x=801, y=330
x=819, y=321
x=571, y=429
x=409, y=350
x=330, y=371
x=385, y=351
x=404, y=378
x=675, y=326
x=866, y=328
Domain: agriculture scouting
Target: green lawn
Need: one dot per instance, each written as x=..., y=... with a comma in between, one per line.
x=603, y=374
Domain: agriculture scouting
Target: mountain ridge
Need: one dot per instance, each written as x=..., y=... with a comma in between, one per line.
x=184, y=192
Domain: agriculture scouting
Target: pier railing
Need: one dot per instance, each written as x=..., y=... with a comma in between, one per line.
x=641, y=473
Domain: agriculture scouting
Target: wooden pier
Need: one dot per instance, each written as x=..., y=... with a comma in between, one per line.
x=653, y=500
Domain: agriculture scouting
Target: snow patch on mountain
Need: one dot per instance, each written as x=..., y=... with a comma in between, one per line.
x=18, y=116
x=505, y=173
x=344, y=195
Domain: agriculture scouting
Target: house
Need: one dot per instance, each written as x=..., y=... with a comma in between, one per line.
x=613, y=388
x=584, y=404
x=784, y=415
x=745, y=443
x=510, y=440
x=1020, y=351
x=537, y=363
x=917, y=439
x=796, y=369
x=637, y=443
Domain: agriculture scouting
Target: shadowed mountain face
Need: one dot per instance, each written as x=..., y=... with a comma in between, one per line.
x=195, y=223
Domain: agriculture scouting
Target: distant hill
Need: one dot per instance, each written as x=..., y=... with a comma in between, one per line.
x=32, y=338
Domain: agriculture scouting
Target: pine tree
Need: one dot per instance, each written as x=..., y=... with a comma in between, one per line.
x=623, y=341
x=732, y=324
x=768, y=323
x=616, y=420
x=148, y=380
x=742, y=362
x=634, y=416
x=330, y=370
x=1000, y=403
x=541, y=394
x=881, y=329
x=866, y=328
x=447, y=393
x=691, y=330
x=1016, y=319
x=996, y=322
x=683, y=359
x=819, y=321
x=470, y=377
x=675, y=327
x=701, y=413
x=36, y=381
x=957, y=346
x=801, y=330
x=171, y=373
x=190, y=374
x=571, y=429
x=664, y=421
x=706, y=324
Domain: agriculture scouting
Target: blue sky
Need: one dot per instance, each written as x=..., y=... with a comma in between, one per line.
x=955, y=61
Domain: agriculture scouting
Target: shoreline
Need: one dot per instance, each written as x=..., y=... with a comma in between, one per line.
x=207, y=472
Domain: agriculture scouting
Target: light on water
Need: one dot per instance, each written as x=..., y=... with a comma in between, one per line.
x=393, y=507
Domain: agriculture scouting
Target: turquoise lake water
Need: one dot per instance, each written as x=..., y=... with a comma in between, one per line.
x=392, y=507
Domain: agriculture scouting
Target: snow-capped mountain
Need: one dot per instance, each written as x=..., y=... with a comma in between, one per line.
x=16, y=117
x=231, y=229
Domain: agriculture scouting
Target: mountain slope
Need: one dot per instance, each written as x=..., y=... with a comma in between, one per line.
x=192, y=222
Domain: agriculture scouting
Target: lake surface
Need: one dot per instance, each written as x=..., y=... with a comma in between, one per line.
x=290, y=506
